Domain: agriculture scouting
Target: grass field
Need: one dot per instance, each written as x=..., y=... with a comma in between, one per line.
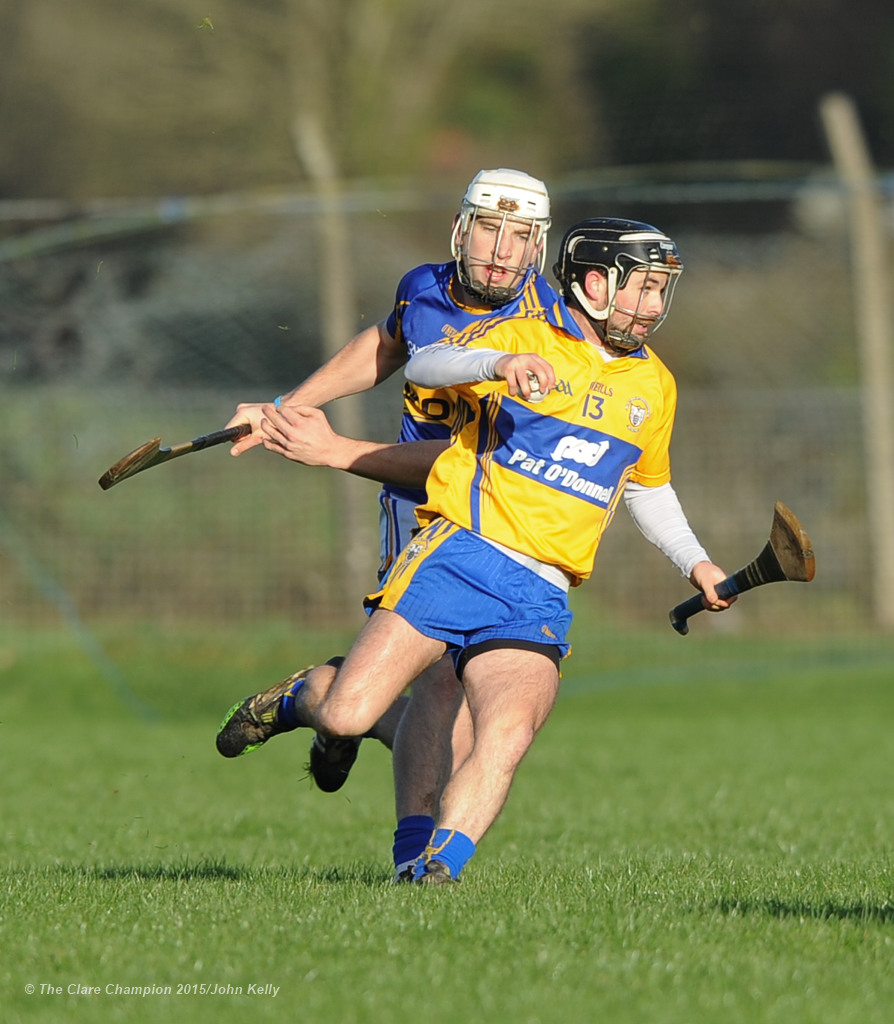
x=702, y=832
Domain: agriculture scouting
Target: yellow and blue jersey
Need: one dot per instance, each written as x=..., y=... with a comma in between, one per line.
x=426, y=310
x=545, y=479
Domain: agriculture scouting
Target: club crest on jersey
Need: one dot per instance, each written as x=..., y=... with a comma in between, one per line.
x=637, y=413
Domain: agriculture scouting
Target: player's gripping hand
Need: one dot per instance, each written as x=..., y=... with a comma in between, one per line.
x=303, y=434
x=704, y=577
x=251, y=413
x=526, y=373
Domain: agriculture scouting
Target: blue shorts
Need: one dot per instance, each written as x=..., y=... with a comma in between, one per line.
x=453, y=586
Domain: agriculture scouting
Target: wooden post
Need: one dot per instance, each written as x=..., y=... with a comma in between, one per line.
x=358, y=545
x=871, y=274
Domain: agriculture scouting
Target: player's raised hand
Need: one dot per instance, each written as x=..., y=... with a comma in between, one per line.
x=526, y=373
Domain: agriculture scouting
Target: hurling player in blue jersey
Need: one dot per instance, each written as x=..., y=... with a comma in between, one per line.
x=561, y=415
x=498, y=245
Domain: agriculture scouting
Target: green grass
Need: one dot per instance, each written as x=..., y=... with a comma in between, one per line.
x=702, y=832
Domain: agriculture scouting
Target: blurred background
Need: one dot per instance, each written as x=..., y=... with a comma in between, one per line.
x=198, y=202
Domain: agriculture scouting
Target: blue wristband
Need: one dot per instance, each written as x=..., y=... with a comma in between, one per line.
x=277, y=401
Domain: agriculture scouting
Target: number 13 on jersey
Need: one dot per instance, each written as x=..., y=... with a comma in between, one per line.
x=593, y=406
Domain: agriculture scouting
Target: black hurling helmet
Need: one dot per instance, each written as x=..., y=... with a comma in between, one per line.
x=616, y=247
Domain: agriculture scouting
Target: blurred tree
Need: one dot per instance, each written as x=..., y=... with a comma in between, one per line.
x=101, y=98
x=105, y=98
x=697, y=82
x=398, y=85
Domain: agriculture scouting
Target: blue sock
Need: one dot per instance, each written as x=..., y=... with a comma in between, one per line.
x=287, y=717
x=411, y=837
x=449, y=847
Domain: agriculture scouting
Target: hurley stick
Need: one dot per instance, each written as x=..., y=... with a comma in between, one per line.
x=787, y=555
x=152, y=454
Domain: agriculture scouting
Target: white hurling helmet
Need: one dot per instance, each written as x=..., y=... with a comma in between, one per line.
x=506, y=195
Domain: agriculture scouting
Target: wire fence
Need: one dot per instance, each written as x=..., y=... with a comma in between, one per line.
x=112, y=342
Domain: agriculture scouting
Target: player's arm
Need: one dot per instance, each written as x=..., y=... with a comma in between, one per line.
x=303, y=434
x=445, y=365
x=365, y=361
x=660, y=518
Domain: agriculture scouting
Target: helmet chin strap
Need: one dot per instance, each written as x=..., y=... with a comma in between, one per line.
x=596, y=316
x=599, y=318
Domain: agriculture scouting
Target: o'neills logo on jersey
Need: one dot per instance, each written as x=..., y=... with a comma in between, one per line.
x=571, y=449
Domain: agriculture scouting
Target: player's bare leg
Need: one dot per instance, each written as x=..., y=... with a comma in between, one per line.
x=331, y=758
x=463, y=738
x=510, y=694
x=434, y=735
x=346, y=697
x=385, y=658
x=385, y=730
x=423, y=751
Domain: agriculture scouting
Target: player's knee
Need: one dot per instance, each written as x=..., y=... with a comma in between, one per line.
x=342, y=721
x=507, y=741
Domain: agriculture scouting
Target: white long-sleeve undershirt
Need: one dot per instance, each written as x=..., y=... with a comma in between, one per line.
x=659, y=516
x=442, y=365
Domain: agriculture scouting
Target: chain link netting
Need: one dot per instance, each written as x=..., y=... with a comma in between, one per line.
x=112, y=342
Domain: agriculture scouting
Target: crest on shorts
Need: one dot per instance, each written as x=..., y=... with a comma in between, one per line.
x=637, y=413
x=411, y=551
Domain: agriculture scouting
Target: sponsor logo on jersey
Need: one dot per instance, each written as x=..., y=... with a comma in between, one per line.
x=574, y=449
x=588, y=453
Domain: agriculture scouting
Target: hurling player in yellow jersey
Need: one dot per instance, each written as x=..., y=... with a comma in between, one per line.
x=497, y=244
x=562, y=413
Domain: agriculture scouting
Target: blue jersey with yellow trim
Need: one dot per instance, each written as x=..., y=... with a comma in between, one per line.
x=426, y=310
x=545, y=479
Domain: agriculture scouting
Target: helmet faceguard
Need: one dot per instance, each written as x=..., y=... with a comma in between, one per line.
x=504, y=197
x=618, y=248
